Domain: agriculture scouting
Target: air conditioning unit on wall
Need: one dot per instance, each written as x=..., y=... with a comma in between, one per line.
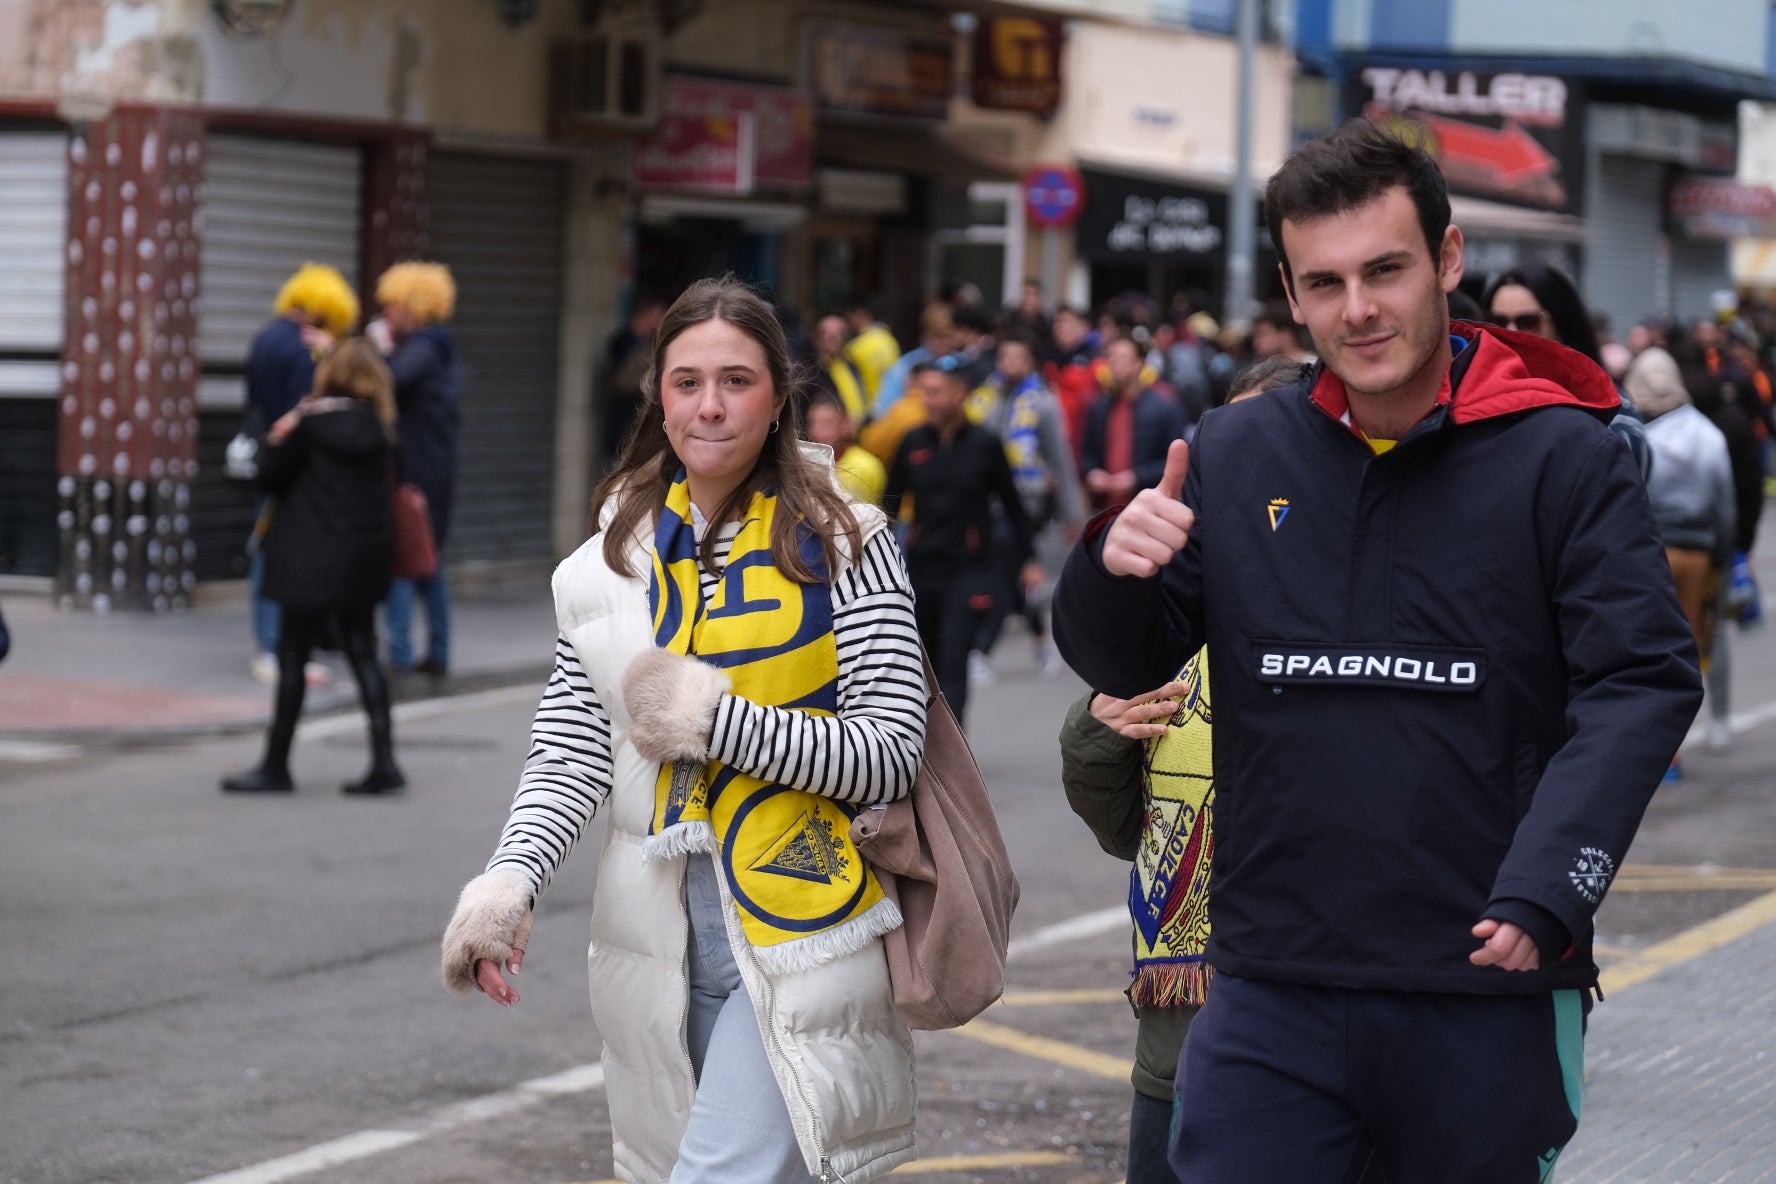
x=604, y=83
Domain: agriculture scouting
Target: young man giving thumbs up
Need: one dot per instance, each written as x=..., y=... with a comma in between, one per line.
x=1450, y=671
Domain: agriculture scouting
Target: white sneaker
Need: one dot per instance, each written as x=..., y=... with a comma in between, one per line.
x=264, y=669
x=980, y=671
x=1048, y=659
x=1720, y=735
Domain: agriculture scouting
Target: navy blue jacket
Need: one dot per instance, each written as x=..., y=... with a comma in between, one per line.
x=280, y=370
x=1159, y=419
x=428, y=393
x=1447, y=678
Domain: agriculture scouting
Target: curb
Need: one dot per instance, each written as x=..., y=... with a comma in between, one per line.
x=405, y=689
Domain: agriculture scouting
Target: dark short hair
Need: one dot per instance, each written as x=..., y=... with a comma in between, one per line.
x=1352, y=167
x=974, y=318
x=1558, y=298
x=951, y=366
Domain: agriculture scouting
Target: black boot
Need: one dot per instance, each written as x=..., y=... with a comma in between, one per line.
x=272, y=776
x=264, y=779
x=384, y=775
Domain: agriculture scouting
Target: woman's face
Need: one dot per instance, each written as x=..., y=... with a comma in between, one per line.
x=1516, y=307
x=719, y=402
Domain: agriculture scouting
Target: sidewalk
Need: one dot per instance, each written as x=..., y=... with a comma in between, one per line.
x=78, y=677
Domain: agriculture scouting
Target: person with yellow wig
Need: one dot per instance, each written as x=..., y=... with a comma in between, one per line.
x=417, y=299
x=280, y=371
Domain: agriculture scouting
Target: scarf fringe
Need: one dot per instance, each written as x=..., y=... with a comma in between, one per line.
x=1172, y=984
x=686, y=838
x=805, y=953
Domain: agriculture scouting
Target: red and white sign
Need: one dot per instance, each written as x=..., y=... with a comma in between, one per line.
x=727, y=137
x=1054, y=196
x=1720, y=208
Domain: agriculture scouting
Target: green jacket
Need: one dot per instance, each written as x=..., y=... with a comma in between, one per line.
x=1101, y=772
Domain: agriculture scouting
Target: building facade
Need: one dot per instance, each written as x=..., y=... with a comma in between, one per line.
x=1582, y=134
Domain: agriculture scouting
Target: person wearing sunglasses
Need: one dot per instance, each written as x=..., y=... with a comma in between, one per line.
x=1541, y=300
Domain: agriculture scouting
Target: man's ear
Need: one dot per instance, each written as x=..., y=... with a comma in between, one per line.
x=1289, y=291
x=1451, y=260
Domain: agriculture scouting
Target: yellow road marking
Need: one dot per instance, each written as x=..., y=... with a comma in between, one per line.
x=984, y=1163
x=1051, y=998
x=1691, y=943
x=1042, y=1048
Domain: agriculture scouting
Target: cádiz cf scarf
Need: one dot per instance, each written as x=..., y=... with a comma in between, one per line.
x=1169, y=887
x=804, y=892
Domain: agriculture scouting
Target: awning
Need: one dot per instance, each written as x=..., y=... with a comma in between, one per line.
x=925, y=150
x=1491, y=219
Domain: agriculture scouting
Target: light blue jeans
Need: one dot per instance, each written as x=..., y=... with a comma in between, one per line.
x=739, y=1131
x=398, y=616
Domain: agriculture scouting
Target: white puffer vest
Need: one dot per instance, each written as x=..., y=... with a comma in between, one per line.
x=841, y=1054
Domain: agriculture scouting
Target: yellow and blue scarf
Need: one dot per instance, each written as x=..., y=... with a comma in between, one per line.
x=805, y=893
x=1169, y=887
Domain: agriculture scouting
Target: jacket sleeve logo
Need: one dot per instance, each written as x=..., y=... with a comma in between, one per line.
x=1592, y=872
x=1279, y=510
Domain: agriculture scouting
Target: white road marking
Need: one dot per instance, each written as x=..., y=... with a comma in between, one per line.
x=31, y=752
x=1072, y=929
x=363, y=1144
x=1739, y=723
x=422, y=709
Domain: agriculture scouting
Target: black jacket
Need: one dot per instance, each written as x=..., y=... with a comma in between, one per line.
x=280, y=370
x=330, y=545
x=1448, y=678
x=953, y=483
x=428, y=392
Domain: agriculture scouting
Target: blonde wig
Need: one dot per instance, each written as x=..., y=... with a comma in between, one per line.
x=423, y=289
x=322, y=292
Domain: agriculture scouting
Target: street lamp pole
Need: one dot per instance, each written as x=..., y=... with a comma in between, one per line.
x=1241, y=219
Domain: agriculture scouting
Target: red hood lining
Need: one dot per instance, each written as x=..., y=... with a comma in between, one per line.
x=1507, y=372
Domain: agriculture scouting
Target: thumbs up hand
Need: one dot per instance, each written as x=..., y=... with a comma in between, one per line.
x=1156, y=525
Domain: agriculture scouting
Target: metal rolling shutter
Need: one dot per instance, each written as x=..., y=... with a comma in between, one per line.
x=33, y=239
x=1626, y=274
x=497, y=223
x=1698, y=271
x=269, y=207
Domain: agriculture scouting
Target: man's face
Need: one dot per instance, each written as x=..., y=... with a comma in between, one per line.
x=943, y=394
x=1124, y=359
x=829, y=336
x=1267, y=341
x=1030, y=301
x=1371, y=294
x=1707, y=336
x=1069, y=331
x=1015, y=362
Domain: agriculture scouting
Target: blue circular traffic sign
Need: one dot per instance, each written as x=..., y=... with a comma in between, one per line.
x=1054, y=195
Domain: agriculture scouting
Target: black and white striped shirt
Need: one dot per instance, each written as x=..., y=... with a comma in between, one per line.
x=868, y=753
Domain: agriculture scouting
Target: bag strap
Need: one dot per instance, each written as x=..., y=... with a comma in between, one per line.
x=932, y=690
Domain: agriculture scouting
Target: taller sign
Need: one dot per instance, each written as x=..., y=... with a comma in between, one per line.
x=1510, y=136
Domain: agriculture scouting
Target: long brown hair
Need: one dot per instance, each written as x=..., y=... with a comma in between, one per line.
x=355, y=368
x=644, y=474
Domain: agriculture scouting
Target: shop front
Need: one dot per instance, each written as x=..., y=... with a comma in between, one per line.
x=1158, y=238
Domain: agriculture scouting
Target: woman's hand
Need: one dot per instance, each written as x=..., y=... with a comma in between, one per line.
x=493, y=984
x=317, y=339
x=1142, y=717
x=284, y=426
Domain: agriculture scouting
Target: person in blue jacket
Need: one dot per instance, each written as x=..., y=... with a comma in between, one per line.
x=1450, y=670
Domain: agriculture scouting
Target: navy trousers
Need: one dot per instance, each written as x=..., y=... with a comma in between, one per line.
x=1287, y=1084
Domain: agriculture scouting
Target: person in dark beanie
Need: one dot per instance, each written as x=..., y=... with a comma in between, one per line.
x=329, y=552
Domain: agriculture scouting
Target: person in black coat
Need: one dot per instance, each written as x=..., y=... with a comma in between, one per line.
x=330, y=550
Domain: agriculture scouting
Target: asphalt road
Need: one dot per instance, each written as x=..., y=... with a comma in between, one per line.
x=195, y=985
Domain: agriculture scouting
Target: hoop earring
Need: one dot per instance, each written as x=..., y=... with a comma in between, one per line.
x=662, y=425
x=775, y=424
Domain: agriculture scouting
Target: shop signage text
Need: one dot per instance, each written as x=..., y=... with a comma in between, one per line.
x=1127, y=216
x=728, y=137
x=1017, y=64
x=1720, y=208
x=871, y=70
x=1528, y=98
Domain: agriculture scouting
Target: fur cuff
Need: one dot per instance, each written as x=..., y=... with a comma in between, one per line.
x=672, y=700
x=492, y=919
